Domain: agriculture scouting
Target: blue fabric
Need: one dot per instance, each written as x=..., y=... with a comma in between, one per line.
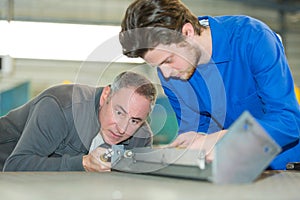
x=248, y=71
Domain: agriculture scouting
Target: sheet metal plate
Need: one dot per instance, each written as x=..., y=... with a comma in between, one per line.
x=182, y=163
x=240, y=157
x=244, y=152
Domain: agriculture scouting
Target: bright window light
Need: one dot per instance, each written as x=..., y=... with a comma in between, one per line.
x=37, y=40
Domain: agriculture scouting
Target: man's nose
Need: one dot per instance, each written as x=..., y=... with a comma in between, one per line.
x=122, y=125
x=166, y=71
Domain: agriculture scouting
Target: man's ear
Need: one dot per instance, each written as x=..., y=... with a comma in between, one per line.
x=105, y=95
x=188, y=30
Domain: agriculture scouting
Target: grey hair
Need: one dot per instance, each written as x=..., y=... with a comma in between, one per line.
x=142, y=85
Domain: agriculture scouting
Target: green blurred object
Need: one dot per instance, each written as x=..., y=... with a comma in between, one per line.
x=163, y=122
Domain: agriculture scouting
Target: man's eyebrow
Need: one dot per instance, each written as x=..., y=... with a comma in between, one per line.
x=137, y=118
x=121, y=108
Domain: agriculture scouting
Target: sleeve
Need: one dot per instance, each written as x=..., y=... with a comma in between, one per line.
x=275, y=88
x=173, y=100
x=44, y=132
x=187, y=119
x=175, y=105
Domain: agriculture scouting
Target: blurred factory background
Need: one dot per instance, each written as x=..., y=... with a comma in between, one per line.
x=69, y=43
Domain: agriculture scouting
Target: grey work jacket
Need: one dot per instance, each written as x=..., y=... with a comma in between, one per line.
x=54, y=130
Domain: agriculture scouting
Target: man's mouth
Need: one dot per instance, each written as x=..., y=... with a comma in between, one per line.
x=114, y=135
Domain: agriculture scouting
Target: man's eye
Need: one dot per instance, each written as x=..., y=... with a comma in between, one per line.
x=118, y=112
x=168, y=60
x=134, y=121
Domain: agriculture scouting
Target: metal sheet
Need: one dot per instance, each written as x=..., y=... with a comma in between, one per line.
x=244, y=152
x=183, y=163
x=240, y=157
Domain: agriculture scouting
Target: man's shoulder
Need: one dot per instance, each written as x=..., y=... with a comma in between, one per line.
x=238, y=21
x=66, y=93
x=58, y=92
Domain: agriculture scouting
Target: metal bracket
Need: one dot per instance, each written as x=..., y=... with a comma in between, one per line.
x=240, y=157
x=183, y=163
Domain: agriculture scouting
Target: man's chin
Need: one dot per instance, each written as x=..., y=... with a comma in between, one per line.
x=186, y=77
x=109, y=141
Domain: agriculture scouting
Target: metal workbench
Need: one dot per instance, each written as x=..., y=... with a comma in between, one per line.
x=116, y=185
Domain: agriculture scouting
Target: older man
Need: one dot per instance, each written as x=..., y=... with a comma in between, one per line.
x=54, y=131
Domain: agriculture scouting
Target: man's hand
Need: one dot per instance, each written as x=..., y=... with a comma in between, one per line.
x=93, y=163
x=194, y=140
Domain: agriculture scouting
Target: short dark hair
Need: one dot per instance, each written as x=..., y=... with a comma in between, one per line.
x=148, y=23
x=142, y=85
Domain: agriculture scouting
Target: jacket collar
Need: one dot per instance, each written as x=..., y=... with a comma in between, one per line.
x=221, y=48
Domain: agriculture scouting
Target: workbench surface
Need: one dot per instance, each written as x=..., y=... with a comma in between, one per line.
x=117, y=185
